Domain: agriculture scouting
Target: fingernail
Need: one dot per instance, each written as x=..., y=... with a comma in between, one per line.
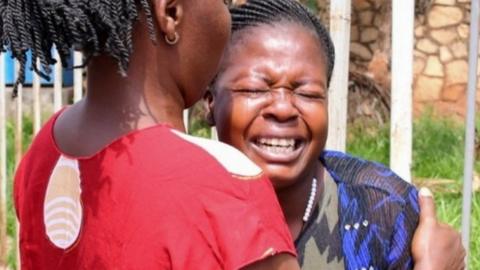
x=425, y=192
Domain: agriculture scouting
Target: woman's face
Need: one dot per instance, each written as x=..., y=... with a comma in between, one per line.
x=202, y=42
x=270, y=99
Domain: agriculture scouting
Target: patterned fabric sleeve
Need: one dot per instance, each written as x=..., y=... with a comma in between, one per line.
x=406, y=222
x=378, y=212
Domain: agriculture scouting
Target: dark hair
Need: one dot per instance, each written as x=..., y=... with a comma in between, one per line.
x=92, y=26
x=259, y=12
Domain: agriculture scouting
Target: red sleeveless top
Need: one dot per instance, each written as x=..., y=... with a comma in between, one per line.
x=152, y=199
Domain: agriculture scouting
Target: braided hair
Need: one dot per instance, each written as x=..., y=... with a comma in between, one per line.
x=92, y=26
x=260, y=12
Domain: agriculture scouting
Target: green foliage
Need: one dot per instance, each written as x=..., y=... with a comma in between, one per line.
x=438, y=148
x=11, y=216
x=370, y=143
x=200, y=128
x=449, y=210
x=312, y=5
x=438, y=152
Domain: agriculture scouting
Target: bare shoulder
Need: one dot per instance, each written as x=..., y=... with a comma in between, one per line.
x=65, y=129
x=79, y=133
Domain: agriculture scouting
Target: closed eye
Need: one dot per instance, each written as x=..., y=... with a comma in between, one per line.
x=251, y=91
x=310, y=95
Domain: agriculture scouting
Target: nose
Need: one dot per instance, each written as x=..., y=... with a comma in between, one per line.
x=281, y=107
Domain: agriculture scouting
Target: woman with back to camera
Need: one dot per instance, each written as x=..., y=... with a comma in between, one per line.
x=111, y=182
x=269, y=100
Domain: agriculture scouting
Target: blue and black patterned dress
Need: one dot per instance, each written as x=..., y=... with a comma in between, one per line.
x=364, y=221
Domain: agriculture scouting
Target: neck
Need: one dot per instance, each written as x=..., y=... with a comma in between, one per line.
x=139, y=100
x=294, y=199
x=116, y=105
x=148, y=95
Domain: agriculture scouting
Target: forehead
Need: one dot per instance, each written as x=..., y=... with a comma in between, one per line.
x=282, y=44
x=282, y=32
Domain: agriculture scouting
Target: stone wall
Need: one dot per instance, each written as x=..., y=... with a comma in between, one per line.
x=370, y=46
x=441, y=57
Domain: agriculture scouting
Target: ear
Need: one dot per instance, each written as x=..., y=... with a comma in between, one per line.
x=168, y=14
x=209, y=105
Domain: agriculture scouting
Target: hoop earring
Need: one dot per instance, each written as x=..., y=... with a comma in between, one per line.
x=172, y=41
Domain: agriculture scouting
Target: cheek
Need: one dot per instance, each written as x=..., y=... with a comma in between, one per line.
x=316, y=120
x=234, y=118
x=224, y=117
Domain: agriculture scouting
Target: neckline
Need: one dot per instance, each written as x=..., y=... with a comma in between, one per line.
x=311, y=199
x=328, y=183
x=127, y=135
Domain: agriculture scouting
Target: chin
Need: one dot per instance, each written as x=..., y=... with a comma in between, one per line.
x=282, y=180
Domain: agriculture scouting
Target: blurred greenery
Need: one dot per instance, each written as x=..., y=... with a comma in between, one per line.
x=438, y=153
x=449, y=210
x=11, y=216
x=312, y=4
x=438, y=146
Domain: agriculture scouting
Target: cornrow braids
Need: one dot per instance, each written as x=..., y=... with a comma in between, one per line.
x=260, y=12
x=92, y=26
x=2, y=11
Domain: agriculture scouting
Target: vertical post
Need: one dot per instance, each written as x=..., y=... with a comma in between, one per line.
x=3, y=165
x=19, y=120
x=36, y=84
x=18, y=135
x=57, y=85
x=340, y=12
x=213, y=133
x=402, y=78
x=470, y=127
x=77, y=76
x=186, y=119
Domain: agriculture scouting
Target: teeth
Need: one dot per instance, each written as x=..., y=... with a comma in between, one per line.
x=277, y=142
x=277, y=149
x=287, y=142
x=274, y=142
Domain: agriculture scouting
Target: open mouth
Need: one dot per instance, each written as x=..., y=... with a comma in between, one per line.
x=278, y=149
x=276, y=145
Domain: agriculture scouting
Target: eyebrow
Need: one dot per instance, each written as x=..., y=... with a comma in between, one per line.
x=304, y=81
x=252, y=74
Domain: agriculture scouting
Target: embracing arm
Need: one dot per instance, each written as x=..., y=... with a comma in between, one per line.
x=435, y=245
x=406, y=221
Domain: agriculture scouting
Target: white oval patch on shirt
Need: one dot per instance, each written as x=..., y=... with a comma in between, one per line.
x=62, y=209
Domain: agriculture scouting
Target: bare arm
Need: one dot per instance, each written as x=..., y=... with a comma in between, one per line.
x=435, y=245
x=281, y=261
